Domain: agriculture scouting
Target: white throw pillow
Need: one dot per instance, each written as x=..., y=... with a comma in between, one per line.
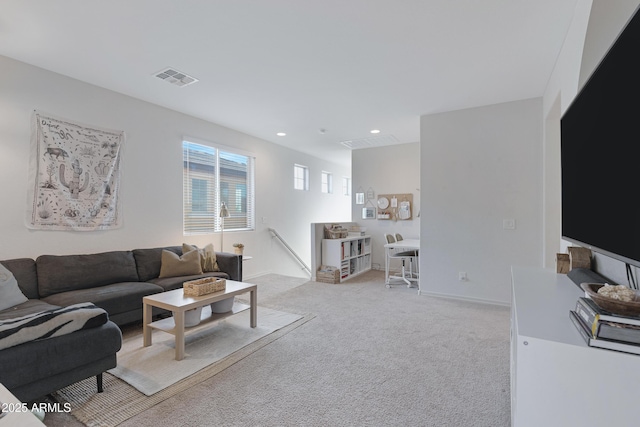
x=10, y=293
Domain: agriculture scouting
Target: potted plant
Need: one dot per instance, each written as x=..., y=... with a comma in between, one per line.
x=238, y=248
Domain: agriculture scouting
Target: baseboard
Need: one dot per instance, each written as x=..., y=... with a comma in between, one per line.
x=252, y=276
x=463, y=298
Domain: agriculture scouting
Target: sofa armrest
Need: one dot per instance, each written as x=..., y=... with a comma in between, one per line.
x=230, y=264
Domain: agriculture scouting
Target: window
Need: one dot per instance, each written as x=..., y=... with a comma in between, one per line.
x=301, y=177
x=236, y=190
x=199, y=192
x=327, y=182
x=213, y=175
x=346, y=186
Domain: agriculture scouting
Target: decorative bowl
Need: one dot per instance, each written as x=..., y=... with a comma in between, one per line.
x=192, y=317
x=622, y=308
x=222, y=306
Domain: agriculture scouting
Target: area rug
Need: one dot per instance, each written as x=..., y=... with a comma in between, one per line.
x=121, y=401
x=154, y=368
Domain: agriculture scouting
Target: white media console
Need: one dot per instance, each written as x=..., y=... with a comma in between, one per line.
x=556, y=379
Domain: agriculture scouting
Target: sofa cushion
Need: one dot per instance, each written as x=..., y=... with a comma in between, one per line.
x=29, y=307
x=10, y=293
x=115, y=298
x=148, y=261
x=175, y=265
x=207, y=256
x=50, y=324
x=24, y=270
x=65, y=273
x=171, y=283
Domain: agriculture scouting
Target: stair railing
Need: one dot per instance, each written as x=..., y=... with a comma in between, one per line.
x=277, y=235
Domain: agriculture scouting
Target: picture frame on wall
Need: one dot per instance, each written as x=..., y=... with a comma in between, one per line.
x=359, y=198
x=370, y=193
x=369, y=213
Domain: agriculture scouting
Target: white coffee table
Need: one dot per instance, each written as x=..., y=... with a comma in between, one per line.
x=177, y=302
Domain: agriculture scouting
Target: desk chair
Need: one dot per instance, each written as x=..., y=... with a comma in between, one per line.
x=398, y=239
x=404, y=256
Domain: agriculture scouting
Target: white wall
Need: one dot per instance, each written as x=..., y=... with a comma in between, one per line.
x=152, y=175
x=480, y=166
x=467, y=190
x=606, y=21
x=560, y=91
x=387, y=170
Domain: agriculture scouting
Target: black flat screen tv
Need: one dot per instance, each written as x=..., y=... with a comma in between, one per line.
x=600, y=154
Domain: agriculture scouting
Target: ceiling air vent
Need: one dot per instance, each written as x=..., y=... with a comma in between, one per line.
x=175, y=77
x=371, y=141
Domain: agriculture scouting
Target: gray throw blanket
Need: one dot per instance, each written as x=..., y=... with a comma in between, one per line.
x=50, y=323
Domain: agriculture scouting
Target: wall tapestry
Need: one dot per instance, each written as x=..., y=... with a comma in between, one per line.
x=74, y=176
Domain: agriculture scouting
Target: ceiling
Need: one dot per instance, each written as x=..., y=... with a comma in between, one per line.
x=323, y=71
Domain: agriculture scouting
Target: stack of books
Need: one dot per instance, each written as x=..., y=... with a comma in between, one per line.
x=603, y=329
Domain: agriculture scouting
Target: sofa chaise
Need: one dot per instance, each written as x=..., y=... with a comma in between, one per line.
x=113, y=281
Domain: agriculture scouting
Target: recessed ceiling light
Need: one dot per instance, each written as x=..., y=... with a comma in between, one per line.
x=281, y=134
x=375, y=131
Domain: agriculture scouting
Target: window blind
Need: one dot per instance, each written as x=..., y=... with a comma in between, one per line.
x=236, y=190
x=199, y=188
x=212, y=176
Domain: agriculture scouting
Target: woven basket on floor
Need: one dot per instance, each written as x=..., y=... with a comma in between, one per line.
x=328, y=274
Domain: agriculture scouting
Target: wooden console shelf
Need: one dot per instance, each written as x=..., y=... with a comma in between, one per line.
x=556, y=379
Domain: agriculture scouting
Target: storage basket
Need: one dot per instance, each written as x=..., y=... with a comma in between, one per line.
x=207, y=285
x=336, y=233
x=328, y=274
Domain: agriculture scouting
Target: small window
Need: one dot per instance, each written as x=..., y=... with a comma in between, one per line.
x=327, y=182
x=301, y=177
x=346, y=186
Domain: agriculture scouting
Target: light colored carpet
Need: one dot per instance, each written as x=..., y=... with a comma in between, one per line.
x=154, y=368
x=120, y=401
x=372, y=356
x=270, y=285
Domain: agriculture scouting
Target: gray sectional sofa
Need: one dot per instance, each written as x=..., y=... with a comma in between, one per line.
x=114, y=281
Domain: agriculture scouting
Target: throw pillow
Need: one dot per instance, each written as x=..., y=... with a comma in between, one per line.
x=10, y=293
x=173, y=265
x=208, y=258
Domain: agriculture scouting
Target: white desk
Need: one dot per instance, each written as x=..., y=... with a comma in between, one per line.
x=406, y=244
